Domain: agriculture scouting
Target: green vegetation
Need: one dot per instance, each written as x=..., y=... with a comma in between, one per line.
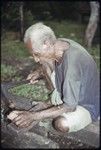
x=37, y=91
x=13, y=49
x=68, y=29
x=7, y=70
x=8, y=73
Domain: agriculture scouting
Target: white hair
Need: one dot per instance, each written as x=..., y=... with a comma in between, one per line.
x=38, y=33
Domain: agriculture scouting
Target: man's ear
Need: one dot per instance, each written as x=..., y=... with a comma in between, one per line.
x=61, y=45
x=46, y=44
x=65, y=45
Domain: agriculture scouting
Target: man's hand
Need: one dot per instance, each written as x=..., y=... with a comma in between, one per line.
x=22, y=118
x=33, y=77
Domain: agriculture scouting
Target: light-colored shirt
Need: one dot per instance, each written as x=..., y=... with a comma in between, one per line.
x=77, y=79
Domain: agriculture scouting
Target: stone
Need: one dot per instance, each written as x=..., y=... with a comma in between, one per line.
x=89, y=135
x=41, y=141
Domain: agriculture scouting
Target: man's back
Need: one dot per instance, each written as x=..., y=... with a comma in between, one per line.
x=77, y=79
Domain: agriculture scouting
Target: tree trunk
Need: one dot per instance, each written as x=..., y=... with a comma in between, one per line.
x=21, y=21
x=92, y=25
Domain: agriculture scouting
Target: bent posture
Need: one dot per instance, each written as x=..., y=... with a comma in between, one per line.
x=73, y=72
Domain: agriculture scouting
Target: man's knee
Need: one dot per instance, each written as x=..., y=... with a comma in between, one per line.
x=60, y=124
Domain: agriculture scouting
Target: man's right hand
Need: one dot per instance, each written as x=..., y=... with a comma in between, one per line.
x=33, y=77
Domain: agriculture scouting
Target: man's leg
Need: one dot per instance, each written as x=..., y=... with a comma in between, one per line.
x=73, y=121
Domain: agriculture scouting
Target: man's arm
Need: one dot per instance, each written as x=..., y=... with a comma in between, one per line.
x=25, y=118
x=35, y=74
x=52, y=112
x=41, y=72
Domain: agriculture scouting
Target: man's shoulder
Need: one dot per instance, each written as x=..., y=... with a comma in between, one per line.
x=76, y=49
x=74, y=45
x=68, y=40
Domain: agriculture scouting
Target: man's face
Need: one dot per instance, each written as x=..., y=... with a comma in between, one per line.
x=42, y=56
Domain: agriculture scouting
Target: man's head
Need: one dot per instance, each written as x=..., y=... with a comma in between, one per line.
x=40, y=40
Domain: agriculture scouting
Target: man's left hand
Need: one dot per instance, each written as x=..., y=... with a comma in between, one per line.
x=21, y=118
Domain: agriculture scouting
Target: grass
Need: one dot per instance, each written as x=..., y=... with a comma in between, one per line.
x=68, y=29
x=9, y=72
x=37, y=91
x=13, y=48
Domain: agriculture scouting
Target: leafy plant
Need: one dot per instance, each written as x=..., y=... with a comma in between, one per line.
x=37, y=91
x=14, y=48
x=9, y=73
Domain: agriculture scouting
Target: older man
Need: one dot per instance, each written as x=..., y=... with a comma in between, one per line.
x=75, y=99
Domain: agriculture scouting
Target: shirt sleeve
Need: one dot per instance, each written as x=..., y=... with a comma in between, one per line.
x=71, y=86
